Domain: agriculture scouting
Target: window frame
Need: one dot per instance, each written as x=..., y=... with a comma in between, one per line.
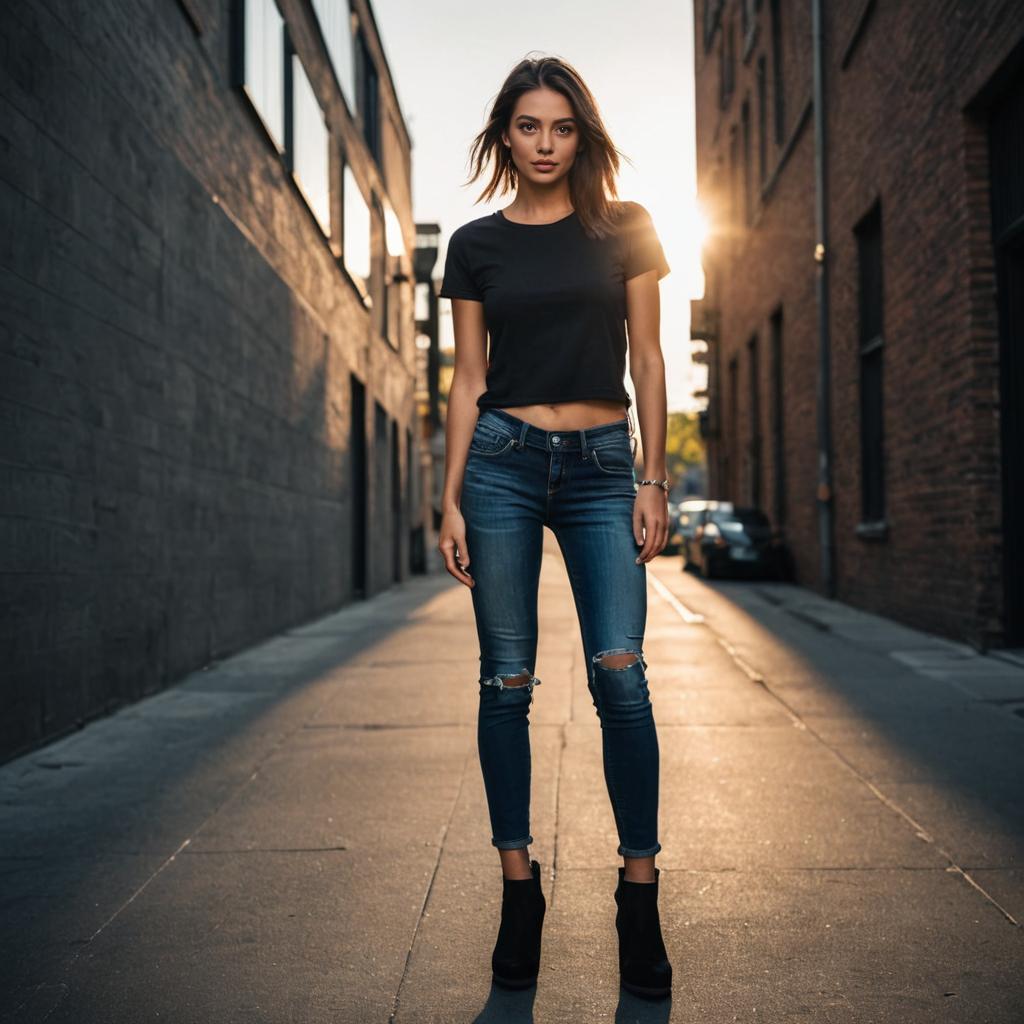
x=240, y=61
x=712, y=18
x=346, y=86
x=869, y=238
x=368, y=95
x=340, y=176
x=292, y=146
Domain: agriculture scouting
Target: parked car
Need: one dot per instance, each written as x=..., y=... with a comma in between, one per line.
x=735, y=540
x=672, y=544
x=689, y=516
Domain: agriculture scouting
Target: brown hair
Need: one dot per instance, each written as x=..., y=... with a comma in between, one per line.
x=592, y=176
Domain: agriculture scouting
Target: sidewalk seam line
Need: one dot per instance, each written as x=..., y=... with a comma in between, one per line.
x=471, y=749
x=798, y=722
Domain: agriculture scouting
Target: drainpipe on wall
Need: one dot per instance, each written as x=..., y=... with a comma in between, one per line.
x=824, y=492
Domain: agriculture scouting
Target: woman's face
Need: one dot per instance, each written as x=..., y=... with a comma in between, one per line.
x=542, y=129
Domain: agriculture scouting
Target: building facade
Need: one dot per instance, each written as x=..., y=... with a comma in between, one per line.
x=862, y=167
x=206, y=338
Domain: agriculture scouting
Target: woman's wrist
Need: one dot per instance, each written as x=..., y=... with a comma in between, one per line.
x=655, y=483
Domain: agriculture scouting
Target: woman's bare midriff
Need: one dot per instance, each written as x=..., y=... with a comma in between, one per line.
x=581, y=415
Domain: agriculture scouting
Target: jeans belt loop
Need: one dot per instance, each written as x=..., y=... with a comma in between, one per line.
x=583, y=444
x=521, y=441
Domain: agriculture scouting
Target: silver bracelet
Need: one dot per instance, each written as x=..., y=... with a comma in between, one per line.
x=663, y=484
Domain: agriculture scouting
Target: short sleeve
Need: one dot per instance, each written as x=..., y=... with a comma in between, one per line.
x=642, y=249
x=458, y=282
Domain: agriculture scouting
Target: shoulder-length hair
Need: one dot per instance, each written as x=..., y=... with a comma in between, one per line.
x=592, y=185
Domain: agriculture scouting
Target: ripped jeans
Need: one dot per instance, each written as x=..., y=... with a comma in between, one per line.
x=582, y=485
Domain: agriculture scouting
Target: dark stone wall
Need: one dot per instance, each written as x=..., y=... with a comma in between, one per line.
x=177, y=339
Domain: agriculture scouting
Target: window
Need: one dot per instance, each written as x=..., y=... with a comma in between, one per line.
x=393, y=243
x=748, y=203
x=734, y=177
x=309, y=147
x=356, y=232
x=335, y=20
x=762, y=120
x=712, y=20
x=748, y=16
x=380, y=281
x=722, y=86
x=262, y=70
x=754, y=437
x=777, y=76
x=273, y=79
x=367, y=98
x=778, y=420
x=732, y=446
x=726, y=65
x=393, y=231
x=870, y=298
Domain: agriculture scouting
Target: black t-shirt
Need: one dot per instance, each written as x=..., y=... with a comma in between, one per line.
x=554, y=302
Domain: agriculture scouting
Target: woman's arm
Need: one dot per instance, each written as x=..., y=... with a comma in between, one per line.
x=647, y=371
x=468, y=383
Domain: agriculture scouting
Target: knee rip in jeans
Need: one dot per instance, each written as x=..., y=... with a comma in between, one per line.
x=618, y=687
x=512, y=680
x=618, y=658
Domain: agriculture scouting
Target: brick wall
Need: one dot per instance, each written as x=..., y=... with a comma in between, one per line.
x=898, y=78
x=176, y=345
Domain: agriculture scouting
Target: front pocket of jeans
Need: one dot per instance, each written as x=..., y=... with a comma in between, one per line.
x=615, y=460
x=486, y=443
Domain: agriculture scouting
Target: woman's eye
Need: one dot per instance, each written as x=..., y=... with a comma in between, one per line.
x=567, y=128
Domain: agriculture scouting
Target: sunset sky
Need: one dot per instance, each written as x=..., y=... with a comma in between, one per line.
x=449, y=58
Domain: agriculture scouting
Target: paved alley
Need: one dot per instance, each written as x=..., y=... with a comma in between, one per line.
x=299, y=833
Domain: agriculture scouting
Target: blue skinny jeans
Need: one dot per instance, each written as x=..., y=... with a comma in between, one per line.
x=582, y=485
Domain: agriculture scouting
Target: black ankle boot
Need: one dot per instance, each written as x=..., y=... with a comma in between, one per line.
x=643, y=963
x=515, y=961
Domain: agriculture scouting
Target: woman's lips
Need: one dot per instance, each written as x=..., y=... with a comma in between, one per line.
x=544, y=166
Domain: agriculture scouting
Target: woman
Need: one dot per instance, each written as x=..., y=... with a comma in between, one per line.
x=539, y=435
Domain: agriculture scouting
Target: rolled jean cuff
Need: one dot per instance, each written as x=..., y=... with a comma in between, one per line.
x=650, y=852
x=512, y=844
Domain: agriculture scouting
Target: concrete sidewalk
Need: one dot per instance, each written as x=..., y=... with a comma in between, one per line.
x=300, y=833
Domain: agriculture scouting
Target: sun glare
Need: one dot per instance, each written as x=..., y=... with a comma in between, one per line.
x=699, y=227
x=684, y=228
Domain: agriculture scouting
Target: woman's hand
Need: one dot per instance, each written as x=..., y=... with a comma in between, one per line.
x=452, y=544
x=650, y=521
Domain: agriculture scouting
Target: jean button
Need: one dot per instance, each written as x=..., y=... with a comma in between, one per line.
x=555, y=439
